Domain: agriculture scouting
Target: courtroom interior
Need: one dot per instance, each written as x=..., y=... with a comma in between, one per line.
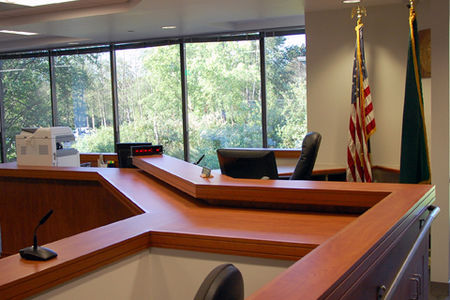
x=189, y=135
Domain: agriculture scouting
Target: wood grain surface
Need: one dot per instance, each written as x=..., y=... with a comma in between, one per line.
x=330, y=245
x=221, y=189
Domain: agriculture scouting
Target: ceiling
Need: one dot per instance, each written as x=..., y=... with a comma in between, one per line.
x=103, y=21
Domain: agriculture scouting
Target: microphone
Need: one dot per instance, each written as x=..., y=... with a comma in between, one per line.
x=200, y=159
x=36, y=252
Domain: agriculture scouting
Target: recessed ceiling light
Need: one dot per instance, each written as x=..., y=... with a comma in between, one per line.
x=169, y=27
x=34, y=2
x=351, y=1
x=18, y=32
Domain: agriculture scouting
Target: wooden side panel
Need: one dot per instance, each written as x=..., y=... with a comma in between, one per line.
x=341, y=251
x=77, y=206
x=288, y=251
x=386, y=262
x=296, y=194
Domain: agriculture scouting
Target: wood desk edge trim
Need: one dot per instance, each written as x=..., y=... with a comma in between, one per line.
x=183, y=185
x=131, y=205
x=392, y=197
x=319, y=289
x=59, y=273
x=236, y=246
x=225, y=188
x=95, y=258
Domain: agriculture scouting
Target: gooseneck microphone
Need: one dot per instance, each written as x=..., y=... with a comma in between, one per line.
x=198, y=161
x=36, y=252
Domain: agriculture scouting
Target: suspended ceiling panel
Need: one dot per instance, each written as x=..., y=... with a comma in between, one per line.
x=104, y=21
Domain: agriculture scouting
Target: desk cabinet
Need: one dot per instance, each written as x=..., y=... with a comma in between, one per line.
x=385, y=261
x=166, y=204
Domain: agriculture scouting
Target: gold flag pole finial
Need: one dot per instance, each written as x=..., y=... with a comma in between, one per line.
x=359, y=12
x=412, y=4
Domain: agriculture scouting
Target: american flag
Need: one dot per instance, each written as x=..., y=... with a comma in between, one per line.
x=362, y=119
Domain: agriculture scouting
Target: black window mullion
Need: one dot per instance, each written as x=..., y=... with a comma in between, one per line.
x=146, y=44
x=51, y=53
x=184, y=99
x=262, y=60
x=23, y=55
x=78, y=51
x=115, y=95
x=51, y=63
x=2, y=120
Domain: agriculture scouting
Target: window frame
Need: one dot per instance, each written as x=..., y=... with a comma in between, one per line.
x=259, y=35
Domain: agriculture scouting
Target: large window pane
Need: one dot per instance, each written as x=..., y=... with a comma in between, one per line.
x=224, y=106
x=25, y=89
x=286, y=90
x=149, y=88
x=84, y=100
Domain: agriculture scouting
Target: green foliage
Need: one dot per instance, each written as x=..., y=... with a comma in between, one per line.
x=224, y=97
x=99, y=141
x=83, y=90
x=286, y=93
x=25, y=89
x=153, y=113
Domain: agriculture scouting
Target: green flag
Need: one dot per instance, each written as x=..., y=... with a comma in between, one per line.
x=414, y=162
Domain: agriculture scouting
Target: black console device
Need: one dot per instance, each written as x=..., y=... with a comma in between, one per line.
x=146, y=150
x=123, y=151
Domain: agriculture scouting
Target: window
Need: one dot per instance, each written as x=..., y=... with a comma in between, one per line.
x=286, y=90
x=149, y=88
x=224, y=89
x=25, y=90
x=223, y=99
x=84, y=100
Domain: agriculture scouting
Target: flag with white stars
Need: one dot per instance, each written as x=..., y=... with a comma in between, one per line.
x=362, y=118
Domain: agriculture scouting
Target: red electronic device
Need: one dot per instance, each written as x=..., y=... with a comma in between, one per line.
x=146, y=150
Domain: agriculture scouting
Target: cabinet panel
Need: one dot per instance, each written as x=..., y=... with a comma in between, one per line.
x=372, y=282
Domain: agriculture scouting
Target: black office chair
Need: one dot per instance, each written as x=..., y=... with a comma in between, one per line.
x=224, y=282
x=305, y=164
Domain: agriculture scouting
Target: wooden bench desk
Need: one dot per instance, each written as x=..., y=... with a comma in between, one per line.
x=167, y=204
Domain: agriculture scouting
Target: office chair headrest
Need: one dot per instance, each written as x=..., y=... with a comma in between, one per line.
x=305, y=164
x=224, y=282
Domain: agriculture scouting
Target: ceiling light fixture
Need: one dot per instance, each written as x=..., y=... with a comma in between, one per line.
x=18, y=32
x=35, y=2
x=351, y=1
x=169, y=27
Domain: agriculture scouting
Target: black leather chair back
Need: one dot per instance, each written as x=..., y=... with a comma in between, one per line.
x=305, y=164
x=224, y=282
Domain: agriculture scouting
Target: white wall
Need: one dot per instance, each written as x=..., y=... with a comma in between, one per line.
x=330, y=49
x=166, y=274
x=440, y=232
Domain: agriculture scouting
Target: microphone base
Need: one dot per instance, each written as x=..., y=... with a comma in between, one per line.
x=40, y=253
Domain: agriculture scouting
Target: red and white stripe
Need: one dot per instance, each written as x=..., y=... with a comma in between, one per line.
x=362, y=119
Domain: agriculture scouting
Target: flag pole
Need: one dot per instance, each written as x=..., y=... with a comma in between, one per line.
x=362, y=121
x=359, y=12
x=414, y=158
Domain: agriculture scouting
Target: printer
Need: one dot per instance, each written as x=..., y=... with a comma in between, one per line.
x=48, y=146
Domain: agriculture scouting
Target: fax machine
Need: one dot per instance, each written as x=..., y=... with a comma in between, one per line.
x=46, y=147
